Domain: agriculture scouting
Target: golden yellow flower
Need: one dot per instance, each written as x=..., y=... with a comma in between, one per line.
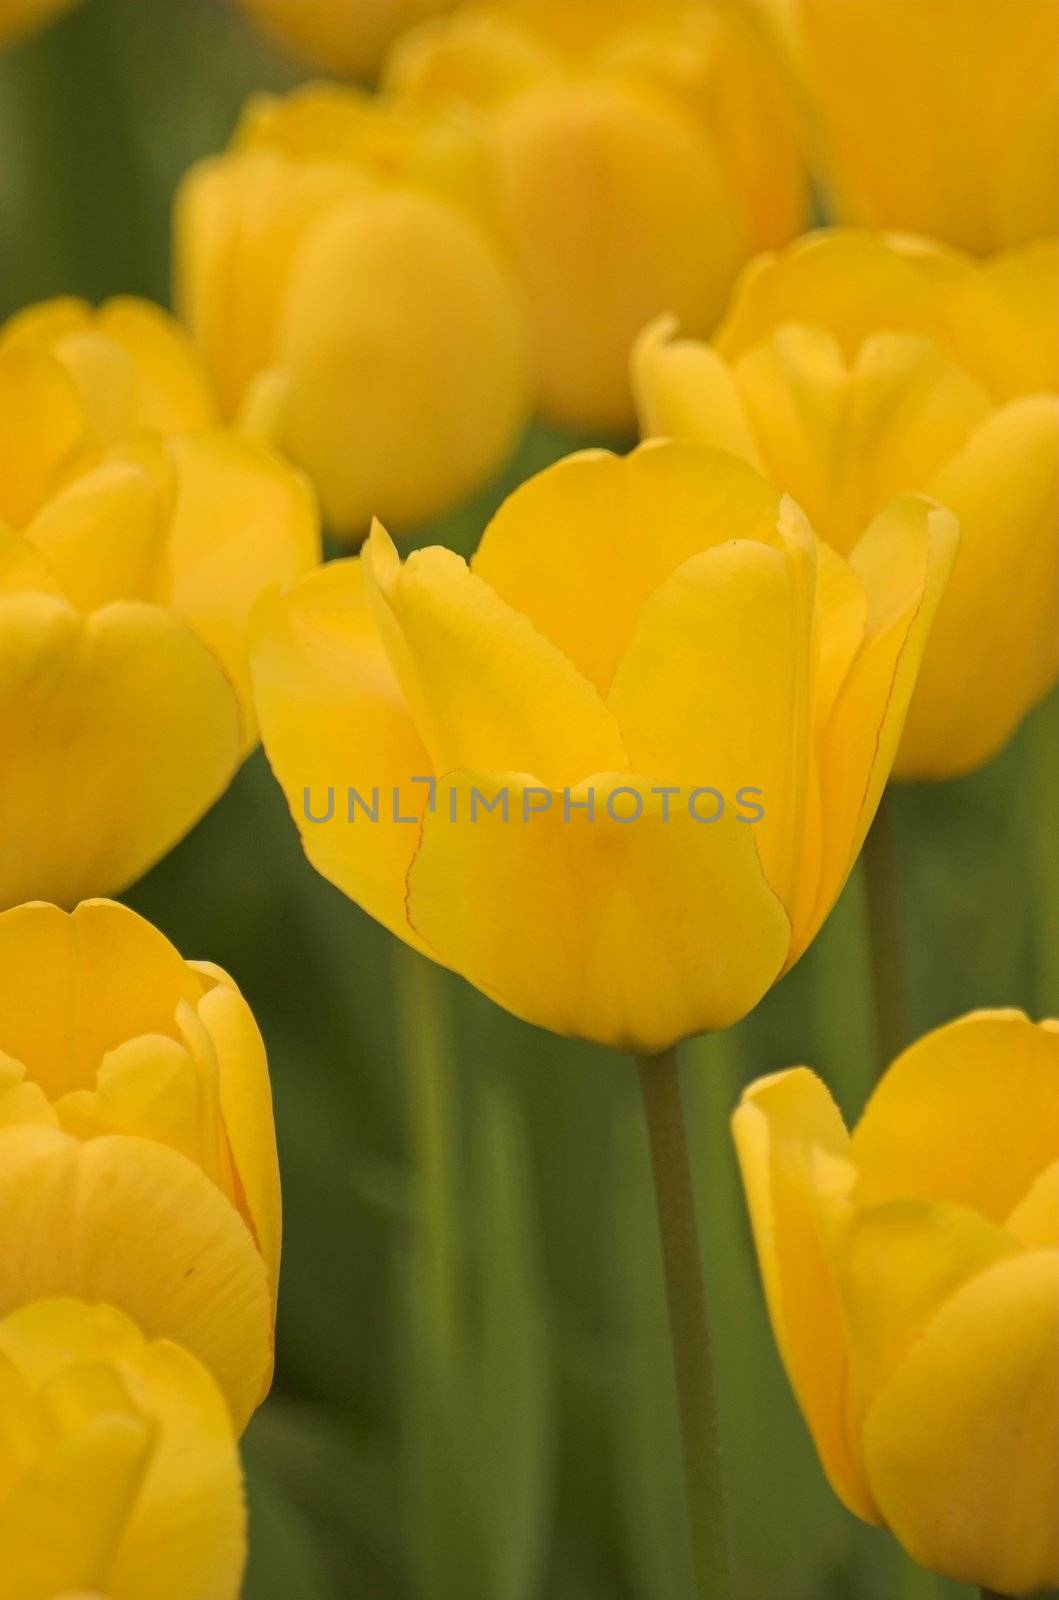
x=337, y=271
x=912, y=1277
x=118, y=1466
x=651, y=637
x=19, y=17
x=851, y=368
x=639, y=151
x=940, y=116
x=134, y=539
x=348, y=37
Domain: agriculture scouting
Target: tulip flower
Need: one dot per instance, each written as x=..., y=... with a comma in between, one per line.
x=939, y=117
x=137, y=1151
x=347, y=37
x=337, y=272
x=639, y=643
x=20, y=17
x=851, y=369
x=912, y=1277
x=639, y=152
x=133, y=542
x=118, y=1466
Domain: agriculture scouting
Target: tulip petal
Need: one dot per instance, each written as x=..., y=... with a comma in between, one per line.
x=486, y=690
x=120, y=977
x=23, y=567
x=634, y=933
x=242, y=520
x=782, y=1127
x=189, y=1533
x=1035, y=1220
x=135, y=1225
x=1004, y=489
x=246, y=1104
x=736, y=714
x=101, y=536
x=897, y=1263
x=962, y=1442
x=903, y=562
x=1014, y=296
x=685, y=390
x=991, y=1080
x=172, y=394
x=41, y=424
x=626, y=522
x=850, y=282
x=334, y=719
x=118, y=731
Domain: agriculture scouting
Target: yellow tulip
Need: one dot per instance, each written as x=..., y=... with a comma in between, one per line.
x=134, y=540
x=940, y=116
x=118, y=1466
x=632, y=633
x=912, y=1277
x=348, y=37
x=640, y=151
x=20, y=17
x=850, y=369
x=338, y=274
x=137, y=1151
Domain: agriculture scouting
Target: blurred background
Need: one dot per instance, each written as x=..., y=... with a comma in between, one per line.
x=473, y=1398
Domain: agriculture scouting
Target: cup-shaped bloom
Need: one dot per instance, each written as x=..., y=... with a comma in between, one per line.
x=912, y=1278
x=639, y=152
x=134, y=540
x=137, y=1150
x=119, y=1473
x=20, y=17
x=338, y=275
x=347, y=37
x=851, y=369
x=939, y=116
x=656, y=719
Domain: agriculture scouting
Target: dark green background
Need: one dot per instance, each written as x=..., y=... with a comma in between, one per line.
x=473, y=1398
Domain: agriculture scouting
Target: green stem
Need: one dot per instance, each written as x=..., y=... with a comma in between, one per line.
x=424, y=1022
x=882, y=886
x=1045, y=862
x=688, y=1323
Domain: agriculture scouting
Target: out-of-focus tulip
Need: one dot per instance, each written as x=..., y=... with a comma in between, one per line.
x=850, y=369
x=118, y=1465
x=137, y=1150
x=19, y=17
x=912, y=1277
x=348, y=37
x=337, y=272
x=640, y=643
x=940, y=116
x=134, y=541
x=639, y=153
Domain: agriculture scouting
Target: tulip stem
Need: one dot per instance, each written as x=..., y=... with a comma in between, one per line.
x=423, y=1002
x=688, y=1322
x=882, y=887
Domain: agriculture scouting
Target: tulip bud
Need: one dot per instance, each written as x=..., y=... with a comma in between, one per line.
x=652, y=709
x=134, y=541
x=137, y=1151
x=347, y=37
x=912, y=1277
x=850, y=369
x=118, y=1466
x=338, y=275
x=639, y=153
x=971, y=154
